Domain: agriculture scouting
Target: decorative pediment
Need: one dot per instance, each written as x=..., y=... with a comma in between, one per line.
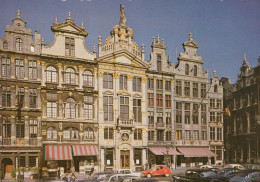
x=137, y=96
x=124, y=92
x=108, y=92
x=127, y=58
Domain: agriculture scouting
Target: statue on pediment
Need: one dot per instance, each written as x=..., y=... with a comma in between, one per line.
x=122, y=15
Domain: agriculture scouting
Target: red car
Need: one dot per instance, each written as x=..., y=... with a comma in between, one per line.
x=157, y=170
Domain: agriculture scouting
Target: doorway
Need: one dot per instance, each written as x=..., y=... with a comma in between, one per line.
x=125, y=159
x=7, y=166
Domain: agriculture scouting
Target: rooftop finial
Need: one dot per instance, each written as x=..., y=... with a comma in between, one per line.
x=69, y=15
x=18, y=13
x=158, y=38
x=214, y=72
x=244, y=56
x=82, y=24
x=153, y=39
x=122, y=15
x=56, y=20
x=163, y=41
x=190, y=34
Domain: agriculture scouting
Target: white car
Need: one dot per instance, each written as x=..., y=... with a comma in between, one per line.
x=128, y=172
x=120, y=178
x=237, y=166
x=206, y=167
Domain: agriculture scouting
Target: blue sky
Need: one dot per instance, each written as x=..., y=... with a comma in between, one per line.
x=224, y=29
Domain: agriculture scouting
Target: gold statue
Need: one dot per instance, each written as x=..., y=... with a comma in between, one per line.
x=122, y=15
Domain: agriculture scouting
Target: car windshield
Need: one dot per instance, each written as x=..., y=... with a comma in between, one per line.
x=208, y=174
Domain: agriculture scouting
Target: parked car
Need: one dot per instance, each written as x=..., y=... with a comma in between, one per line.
x=229, y=172
x=215, y=169
x=97, y=177
x=206, y=167
x=237, y=166
x=128, y=172
x=252, y=167
x=157, y=170
x=246, y=176
x=119, y=177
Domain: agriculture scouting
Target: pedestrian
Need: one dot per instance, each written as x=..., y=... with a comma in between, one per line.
x=73, y=178
x=66, y=178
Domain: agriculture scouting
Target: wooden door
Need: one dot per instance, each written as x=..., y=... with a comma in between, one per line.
x=125, y=159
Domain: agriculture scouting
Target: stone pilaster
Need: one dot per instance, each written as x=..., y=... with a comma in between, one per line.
x=39, y=71
x=26, y=98
x=12, y=67
x=100, y=97
x=38, y=99
x=60, y=77
x=60, y=104
x=13, y=96
x=13, y=130
x=80, y=77
x=26, y=132
x=43, y=73
x=95, y=78
x=26, y=69
x=39, y=136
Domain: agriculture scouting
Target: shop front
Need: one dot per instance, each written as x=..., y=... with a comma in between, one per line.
x=195, y=156
x=85, y=158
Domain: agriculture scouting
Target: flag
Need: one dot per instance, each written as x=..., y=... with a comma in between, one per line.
x=227, y=111
x=17, y=97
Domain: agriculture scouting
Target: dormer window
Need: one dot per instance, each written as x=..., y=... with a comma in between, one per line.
x=215, y=88
x=32, y=48
x=186, y=69
x=5, y=45
x=159, y=62
x=69, y=46
x=195, y=70
x=19, y=44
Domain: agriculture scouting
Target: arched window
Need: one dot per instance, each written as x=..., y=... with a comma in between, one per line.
x=70, y=133
x=19, y=44
x=51, y=74
x=187, y=69
x=195, y=70
x=70, y=76
x=51, y=133
x=89, y=133
x=87, y=79
x=5, y=45
x=70, y=108
x=215, y=88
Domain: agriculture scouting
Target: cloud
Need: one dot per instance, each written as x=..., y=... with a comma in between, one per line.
x=63, y=0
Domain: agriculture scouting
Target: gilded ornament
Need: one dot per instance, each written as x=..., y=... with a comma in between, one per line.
x=172, y=82
x=100, y=74
x=130, y=77
x=116, y=75
x=25, y=60
x=144, y=79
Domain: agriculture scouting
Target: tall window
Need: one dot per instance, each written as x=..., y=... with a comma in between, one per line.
x=159, y=62
x=5, y=45
x=71, y=108
x=203, y=91
x=32, y=70
x=51, y=74
x=151, y=135
x=215, y=88
x=88, y=79
x=70, y=76
x=195, y=114
x=178, y=112
x=195, y=90
x=168, y=135
x=187, y=89
x=212, y=133
x=178, y=88
x=212, y=116
x=89, y=133
x=159, y=100
x=178, y=134
x=19, y=44
x=219, y=103
x=108, y=81
x=150, y=99
x=109, y=133
x=167, y=101
x=195, y=135
x=203, y=114
x=20, y=98
x=33, y=97
x=137, y=110
x=33, y=161
x=20, y=127
x=168, y=120
x=88, y=107
x=159, y=84
x=33, y=128
x=6, y=96
x=19, y=68
x=219, y=133
x=123, y=82
x=168, y=85
x=187, y=113
x=203, y=135
x=150, y=83
x=69, y=46
x=124, y=107
x=6, y=126
x=51, y=109
x=51, y=133
x=187, y=71
x=138, y=134
x=160, y=135
x=212, y=103
x=136, y=84
x=70, y=133
x=195, y=70
x=6, y=67
x=219, y=118
x=186, y=135
x=108, y=108
x=150, y=119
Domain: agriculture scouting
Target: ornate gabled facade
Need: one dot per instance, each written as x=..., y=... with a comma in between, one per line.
x=242, y=123
x=109, y=109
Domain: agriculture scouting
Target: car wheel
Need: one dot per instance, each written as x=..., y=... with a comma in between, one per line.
x=167, y=175
x=149, y=175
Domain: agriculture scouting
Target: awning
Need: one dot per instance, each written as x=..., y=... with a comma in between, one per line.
x=196, y=152
x=164, y=151
x=58, y=152
x=79, y=150
x=20, y=150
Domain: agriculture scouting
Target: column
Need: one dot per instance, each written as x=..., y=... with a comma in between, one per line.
x=13, y=130
x=12, y=68
x=144, y=155
x=164, y=114
x=144, y=110
x=26, y=128
x=248, y=122
x=116, y=88
x=81, y=105
x=44, y=105
x=39, y=71
x=39, y=137
x=38, y=99
x=102, y=160
x=26, y=161
x=43, y=73
x=249, y=151
x=13, y=96
x=0, y=100
x=26, y=98
x=80, y=77
x=60, y=78
x=154, y=101
x=95, y=79
x=60, y=105
x=26, y=68
x=173, y=107
x=95, y=97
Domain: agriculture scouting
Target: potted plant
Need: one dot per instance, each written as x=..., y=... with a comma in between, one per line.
x=13, y=174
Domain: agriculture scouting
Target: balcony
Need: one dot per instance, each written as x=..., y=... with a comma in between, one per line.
x=33, y=141
x=126, y=123
x=6, y=141
x=160, y=125
x=151, y=125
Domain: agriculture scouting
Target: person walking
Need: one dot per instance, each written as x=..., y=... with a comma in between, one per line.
x=66, y=178
x=73, y=178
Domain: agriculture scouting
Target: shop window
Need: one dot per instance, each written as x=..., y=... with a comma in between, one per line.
x=138, y=157
x=33, y=161
x=109, y=160
x=21, y=161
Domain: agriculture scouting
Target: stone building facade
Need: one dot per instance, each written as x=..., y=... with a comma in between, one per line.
x=109, y=108
x=242, y=124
